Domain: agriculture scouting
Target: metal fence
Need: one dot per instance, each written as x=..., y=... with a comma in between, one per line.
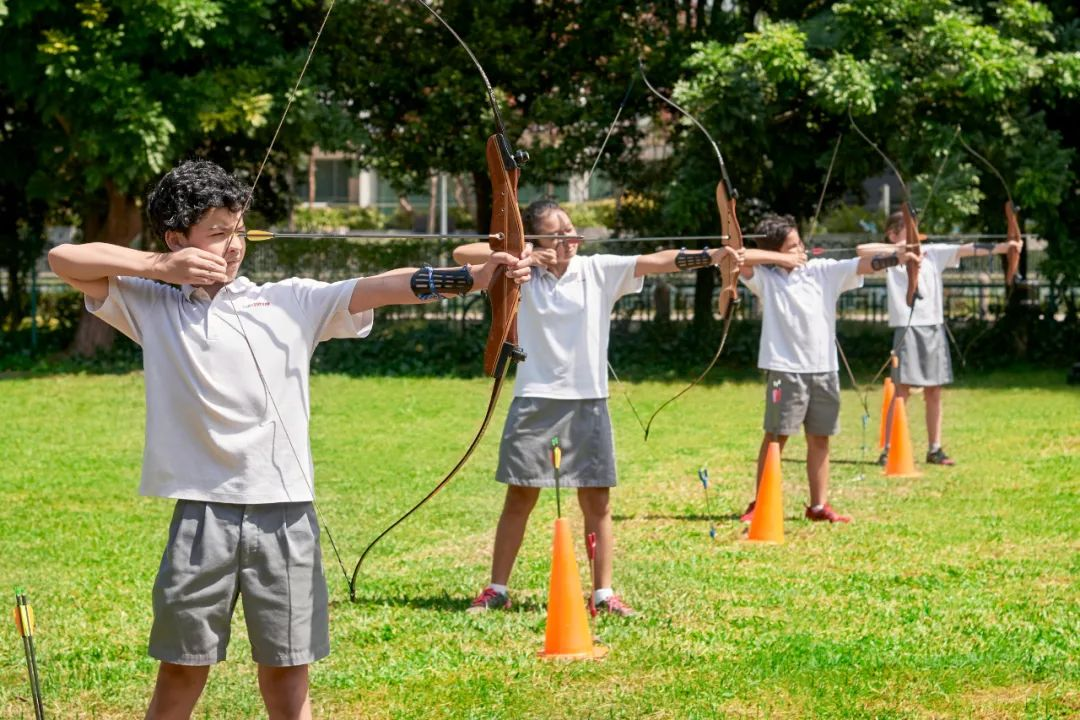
x=975, y=291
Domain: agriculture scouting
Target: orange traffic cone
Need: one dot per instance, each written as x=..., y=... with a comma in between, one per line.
x=901, y=460
x=768, y=523
x=567, y=633
x=886, y=401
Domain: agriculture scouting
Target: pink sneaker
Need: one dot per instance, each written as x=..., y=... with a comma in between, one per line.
x=615, y=606
x=749, y=514
x=826, y=513
x=489, y=599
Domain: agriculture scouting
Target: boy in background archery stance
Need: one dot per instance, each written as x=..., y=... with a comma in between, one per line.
x=798, y=345
x=227, y=406
x=920, y=338
x=562, y=391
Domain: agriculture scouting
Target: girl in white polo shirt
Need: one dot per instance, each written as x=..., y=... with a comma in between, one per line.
x=561, y=390
x=227, y=406
x=798, y=345
x=919, y=333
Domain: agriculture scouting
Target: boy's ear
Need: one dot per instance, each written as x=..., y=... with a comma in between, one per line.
x=175, y=240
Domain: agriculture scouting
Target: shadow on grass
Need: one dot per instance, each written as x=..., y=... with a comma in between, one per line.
x=733, y=517
x=441, y=603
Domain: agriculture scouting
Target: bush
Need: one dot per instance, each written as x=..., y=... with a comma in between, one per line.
x=592, y=213
x=333, y=219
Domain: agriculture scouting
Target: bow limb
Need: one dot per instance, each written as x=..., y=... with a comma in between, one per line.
x=507, y=235
x=732, y=237
x=501, y=364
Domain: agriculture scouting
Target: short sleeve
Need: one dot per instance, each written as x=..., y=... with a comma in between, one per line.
x=129, y=303
x=615, y=274
x=325, y=309
x=756, y=281
x=838, y=275
x=942, y=256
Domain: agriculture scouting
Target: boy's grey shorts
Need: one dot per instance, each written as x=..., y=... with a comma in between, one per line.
x=795, y=399
x=266, y=554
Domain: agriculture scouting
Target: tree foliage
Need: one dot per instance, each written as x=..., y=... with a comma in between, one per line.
x=910, y=72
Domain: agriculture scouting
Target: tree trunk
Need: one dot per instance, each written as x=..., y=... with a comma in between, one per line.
x=703, y=302
x=121, y=225
x=433, y=204
x=482, y=185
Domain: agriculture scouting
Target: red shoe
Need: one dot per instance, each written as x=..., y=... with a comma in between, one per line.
x=825, y=512
x=749, y=514
x=489, y=600
x=615, y=606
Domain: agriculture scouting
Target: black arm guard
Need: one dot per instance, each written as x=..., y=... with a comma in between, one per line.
x=430, y=283
x=880, y=262
x=693, y=261
x=982, y=247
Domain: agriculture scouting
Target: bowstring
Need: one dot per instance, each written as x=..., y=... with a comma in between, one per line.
x=230, y=296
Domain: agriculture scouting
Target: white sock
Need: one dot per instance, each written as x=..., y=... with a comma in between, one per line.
x=602, y=594
x=935, y=448
x=816, y=508
x=501, y=589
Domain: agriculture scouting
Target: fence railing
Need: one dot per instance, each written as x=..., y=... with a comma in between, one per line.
x=972, y=292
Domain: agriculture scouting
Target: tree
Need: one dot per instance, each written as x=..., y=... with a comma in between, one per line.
x=122, y=91
x=910, y=72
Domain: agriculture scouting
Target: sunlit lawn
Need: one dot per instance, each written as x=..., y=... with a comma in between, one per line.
x=955, y=594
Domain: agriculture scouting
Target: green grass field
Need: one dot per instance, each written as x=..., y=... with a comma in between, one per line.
x=956, y=594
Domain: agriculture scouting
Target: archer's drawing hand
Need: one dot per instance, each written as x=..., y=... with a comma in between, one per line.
x=190, y=266
x=539, y=257
x=796, y=258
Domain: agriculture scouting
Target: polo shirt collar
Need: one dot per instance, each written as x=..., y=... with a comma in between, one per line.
x=238, y=285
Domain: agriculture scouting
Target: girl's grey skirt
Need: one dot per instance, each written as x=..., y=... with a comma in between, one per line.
x=584, y=431
x=924, y=356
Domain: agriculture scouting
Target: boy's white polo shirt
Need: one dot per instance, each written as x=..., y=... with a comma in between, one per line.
x=212, y=432
x=929, y=308
x=798, y=313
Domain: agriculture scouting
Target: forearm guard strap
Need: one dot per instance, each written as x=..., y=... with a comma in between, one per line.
x=984, y=247
x=880, y=262
x=693, y=261
x=430, y=283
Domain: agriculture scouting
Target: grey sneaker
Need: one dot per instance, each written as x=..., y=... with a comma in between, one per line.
x=615, y=606
x=489, y=600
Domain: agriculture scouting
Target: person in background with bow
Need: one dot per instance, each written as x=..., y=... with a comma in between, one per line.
x=227, y=406
x=798, y=345
x=562, y=390
x=920, y=338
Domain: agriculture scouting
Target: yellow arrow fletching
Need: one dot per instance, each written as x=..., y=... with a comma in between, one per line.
x=258, y=235
x=556, y=456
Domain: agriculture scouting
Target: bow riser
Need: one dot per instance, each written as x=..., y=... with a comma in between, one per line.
x=729, y=227
x=912, y=240
x=1012, y=231
x=508, y=236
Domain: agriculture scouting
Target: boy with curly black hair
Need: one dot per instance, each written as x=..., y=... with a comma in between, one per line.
x=797, y=349
x=227, y=408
